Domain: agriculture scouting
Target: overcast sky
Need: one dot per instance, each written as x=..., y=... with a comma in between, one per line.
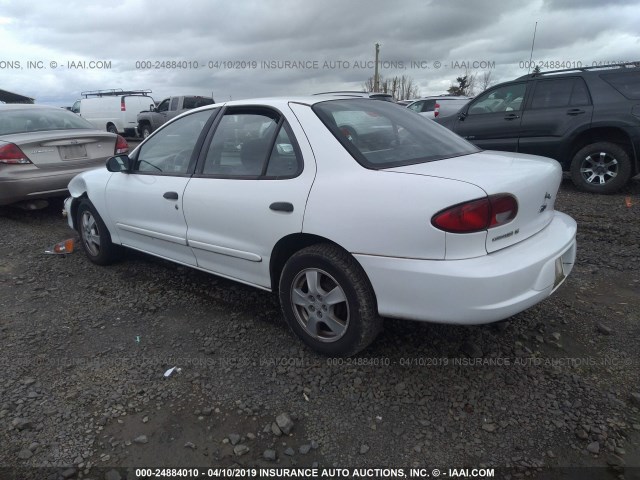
x=333, y=39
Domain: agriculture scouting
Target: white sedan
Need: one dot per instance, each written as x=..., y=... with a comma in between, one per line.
x=348, y=208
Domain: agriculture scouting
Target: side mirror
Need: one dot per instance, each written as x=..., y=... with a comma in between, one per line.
x=462, y=115
x=119, y=163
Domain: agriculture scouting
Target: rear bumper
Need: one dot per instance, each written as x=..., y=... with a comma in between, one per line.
x=477, y=290
x=12, y=191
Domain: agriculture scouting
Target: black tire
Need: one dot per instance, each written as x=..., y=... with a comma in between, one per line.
x=94, y=236
x=145, y=130
x=601, y=167
x=111, y=128
x=352, y=309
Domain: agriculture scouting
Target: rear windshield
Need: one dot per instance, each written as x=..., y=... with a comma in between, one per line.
x=381, y=135
x=195, y=102
x=40, y=120
x=627, y=83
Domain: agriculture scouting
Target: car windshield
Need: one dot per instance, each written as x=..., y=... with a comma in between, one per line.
x=380, y=135
x=40, y=120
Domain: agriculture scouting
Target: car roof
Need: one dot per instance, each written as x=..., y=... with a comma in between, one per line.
x=284, y=101
x=595, y=69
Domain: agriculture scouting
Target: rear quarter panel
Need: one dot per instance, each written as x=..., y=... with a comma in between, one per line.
x=374, y=212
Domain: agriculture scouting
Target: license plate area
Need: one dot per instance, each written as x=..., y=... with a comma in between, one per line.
x=73, y=152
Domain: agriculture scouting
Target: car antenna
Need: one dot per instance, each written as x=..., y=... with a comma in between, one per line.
x=532, y=44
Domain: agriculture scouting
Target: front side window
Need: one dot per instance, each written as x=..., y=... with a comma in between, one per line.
x=381, y=135
x=169, y=151
x=164, y=106
x=174, y=104
x=251, y=145
x=502, y=99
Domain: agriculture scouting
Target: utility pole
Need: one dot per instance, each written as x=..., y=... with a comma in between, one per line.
x=376, y=77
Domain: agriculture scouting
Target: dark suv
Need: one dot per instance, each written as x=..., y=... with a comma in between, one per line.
x=588, y=119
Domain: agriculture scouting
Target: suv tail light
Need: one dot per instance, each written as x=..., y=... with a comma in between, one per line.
x=10, y=154
x=121, y=145
x=436, y=110
x=123, y=107
x=477, y=215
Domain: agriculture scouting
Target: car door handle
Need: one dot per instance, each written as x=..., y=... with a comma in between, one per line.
x=281, y=207
x=511, y=116
x=575, y=111
x=170, y=195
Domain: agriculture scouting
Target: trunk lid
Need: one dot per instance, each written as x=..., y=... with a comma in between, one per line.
x=64, y=148
x=532, y=180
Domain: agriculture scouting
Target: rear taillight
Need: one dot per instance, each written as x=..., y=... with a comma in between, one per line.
x=121, y=145
x=477, y=215
x=10, y=154
x=436, y=110
x=123, y=107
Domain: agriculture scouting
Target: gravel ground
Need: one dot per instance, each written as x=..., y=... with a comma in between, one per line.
x=83, y=350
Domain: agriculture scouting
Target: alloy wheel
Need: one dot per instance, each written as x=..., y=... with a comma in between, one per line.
x=90, y=233
x=599, y=168
x=320, y=305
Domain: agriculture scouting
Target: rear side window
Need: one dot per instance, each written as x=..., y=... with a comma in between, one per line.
x=627, y=83
x=428, y=106
x=381, y=135
x=560, y=92
x=252, y=145
x=580, y=94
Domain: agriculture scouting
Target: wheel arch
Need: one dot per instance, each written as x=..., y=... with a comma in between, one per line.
x=603, y=134
x=75, y=203
x=290, y=244
x=78, y=191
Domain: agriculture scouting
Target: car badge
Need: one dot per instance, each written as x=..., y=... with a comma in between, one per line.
x=543, y=207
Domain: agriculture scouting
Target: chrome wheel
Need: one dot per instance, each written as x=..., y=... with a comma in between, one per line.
x=599, y=168
x=320, y=305
x=90, y=233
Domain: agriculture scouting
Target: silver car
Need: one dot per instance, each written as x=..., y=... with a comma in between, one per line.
x=442, y=106
x=42, y=148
